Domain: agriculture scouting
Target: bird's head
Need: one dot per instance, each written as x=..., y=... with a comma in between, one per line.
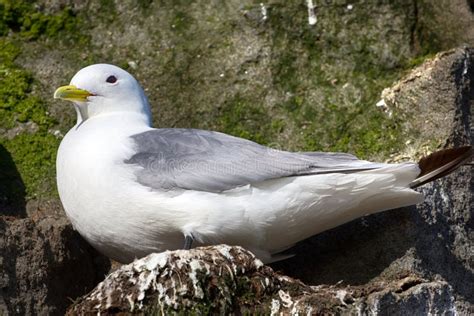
x=104, y=89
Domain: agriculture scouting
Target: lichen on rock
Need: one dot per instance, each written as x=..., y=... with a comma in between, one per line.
x=230, y=280
x=219, y=279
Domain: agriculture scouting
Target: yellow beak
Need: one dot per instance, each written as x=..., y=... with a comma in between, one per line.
x=71, y=93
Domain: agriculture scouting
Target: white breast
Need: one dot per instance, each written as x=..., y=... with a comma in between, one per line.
x=96, y=189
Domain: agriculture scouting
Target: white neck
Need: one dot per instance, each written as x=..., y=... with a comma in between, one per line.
x=117, y=119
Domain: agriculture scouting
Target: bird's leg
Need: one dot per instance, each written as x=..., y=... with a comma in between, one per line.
x=188, y=242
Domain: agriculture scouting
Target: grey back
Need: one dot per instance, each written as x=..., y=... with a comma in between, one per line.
x=214, y=162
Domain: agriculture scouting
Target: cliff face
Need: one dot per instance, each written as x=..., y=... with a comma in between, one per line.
x=415, y=260
x=291, y=75
x=434, y=239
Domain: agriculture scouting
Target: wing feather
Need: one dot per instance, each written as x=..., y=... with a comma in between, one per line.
x=214, y=162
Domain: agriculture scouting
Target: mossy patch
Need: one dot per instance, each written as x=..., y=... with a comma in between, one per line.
x=32, y=152
x=34, y=156
x=333, y=76
x=243, y=118
x=25, y=124
x=28, y=20
x=17, y=103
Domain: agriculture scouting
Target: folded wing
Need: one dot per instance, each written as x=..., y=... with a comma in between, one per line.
x=214, y=162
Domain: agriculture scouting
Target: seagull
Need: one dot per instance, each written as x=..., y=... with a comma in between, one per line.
x=130, y=189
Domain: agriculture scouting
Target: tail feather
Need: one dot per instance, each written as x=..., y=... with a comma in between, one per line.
x=441, y=163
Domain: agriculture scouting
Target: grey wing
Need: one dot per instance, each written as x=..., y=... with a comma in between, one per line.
x=214, y=162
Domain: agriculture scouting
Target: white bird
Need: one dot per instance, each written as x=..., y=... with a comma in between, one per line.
x=130, y=189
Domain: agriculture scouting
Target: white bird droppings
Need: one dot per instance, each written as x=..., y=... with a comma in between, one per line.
x=132, y=64
x=381, y=104
x=312, y=19
x=195, y=266
x=285, y=298
x=264, y=11
x=225, y=251
x=341, y=295
x=275, y=307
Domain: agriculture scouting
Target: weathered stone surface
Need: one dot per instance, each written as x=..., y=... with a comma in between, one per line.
x=44, y=264
x=433, y=102
x=435, y=239
x=230, y=280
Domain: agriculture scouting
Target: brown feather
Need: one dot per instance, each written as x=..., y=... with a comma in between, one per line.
x=441, y=163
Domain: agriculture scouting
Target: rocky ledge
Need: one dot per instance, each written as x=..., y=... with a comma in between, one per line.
x=224, y=279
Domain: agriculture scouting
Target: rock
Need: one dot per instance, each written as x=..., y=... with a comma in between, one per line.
x=434, y=239
x=230, y=280
x=213, y=279
x=433, y=102
x=44, y=265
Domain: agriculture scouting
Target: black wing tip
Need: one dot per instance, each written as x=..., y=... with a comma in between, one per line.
x=442, y=163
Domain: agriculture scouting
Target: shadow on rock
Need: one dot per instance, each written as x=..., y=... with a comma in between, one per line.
x=431, y=240
x=12, y=188
x=354, y=253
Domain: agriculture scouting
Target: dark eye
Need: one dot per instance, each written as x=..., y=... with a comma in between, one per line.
x=111, y=79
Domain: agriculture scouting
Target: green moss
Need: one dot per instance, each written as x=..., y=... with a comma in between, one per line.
x=417, y=60
x=16, y=102
x=338, y=65
x=351, y=124
x=285, y=72
x=8, y=52
x=144, y=4
x=243, y=118
x=181, y=22
x=425, y=36
x=29, y=144
x=108, y=11
x=34, y=156
x=24, y=18
x=31, y=151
